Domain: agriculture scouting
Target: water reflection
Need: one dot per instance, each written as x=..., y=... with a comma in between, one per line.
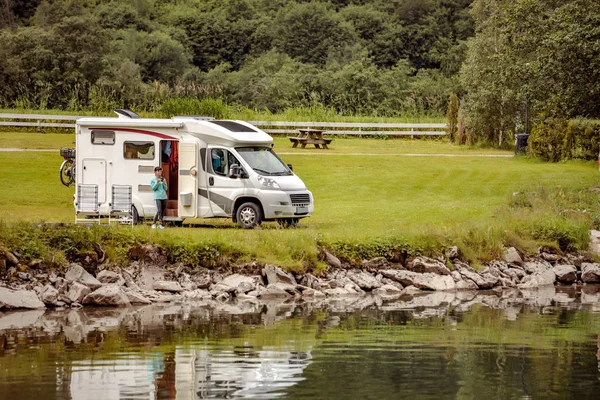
x=508, y=344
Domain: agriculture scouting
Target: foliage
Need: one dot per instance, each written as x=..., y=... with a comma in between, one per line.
x=356, y=58
x=557, y=139
x=536, y=53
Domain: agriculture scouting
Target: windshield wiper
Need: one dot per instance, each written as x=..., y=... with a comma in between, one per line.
x=282, y=173
x=262, y=171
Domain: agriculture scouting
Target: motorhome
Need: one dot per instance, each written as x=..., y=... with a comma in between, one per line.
x=213, y=168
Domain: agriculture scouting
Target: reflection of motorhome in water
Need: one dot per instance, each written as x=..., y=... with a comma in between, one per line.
x=214, y=168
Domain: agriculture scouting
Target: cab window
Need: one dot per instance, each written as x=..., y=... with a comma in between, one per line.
x=221, y=160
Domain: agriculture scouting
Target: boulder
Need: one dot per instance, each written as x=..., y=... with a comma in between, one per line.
x=427, y=281
x=273, y=292
x=78, y=274
x=387, y=290
x=595, y=241
x=424, y=264
x=542, y=278
x=331, y=259
x=590, y=272
x=411, y=291
x=309, y=280
x=512, y=256
x=167, y=286
x=49, y=295
x=10, y=299
x=376, y=263
x=202, y=280
x=364, y=280
x=338, y=291
x=129, y=281
x=565, y=273
x=11, y=259
x=486, y=281
x=108, y=295
x=533, y=267
x=137, y=298
x=453, y=252
x=77, y=292
x=312, y=293
x=239, y=283
x=198, y=294
x=148, y=254
x=466, y=284
x=456, y=276
x=277, y=275
x=108, y=277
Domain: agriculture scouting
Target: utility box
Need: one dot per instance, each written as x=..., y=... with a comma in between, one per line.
x=185, y=199
x=521, y=143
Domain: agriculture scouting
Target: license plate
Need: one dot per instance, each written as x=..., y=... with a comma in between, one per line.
x=301, y=210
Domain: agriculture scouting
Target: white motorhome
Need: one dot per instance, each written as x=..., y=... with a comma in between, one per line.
x=213, y=168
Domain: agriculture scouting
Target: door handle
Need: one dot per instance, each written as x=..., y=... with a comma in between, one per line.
x=211, y=181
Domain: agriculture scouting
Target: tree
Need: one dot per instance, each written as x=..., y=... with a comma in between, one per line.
x=452, y=117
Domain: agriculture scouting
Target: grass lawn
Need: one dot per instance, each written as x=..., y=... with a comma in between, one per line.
x=358, y=198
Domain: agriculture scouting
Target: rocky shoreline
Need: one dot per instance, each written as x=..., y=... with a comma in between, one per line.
x=150, y=279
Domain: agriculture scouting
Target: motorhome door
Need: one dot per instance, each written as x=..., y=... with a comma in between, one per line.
x=188, y=179
x=221, y=187
x=94, y=173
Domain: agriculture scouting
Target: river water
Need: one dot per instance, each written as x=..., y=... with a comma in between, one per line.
x=489, y=346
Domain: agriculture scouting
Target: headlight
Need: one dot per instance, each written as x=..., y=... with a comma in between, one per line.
x=268, y=182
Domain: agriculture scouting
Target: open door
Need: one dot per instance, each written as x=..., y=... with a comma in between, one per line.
x=188, y=179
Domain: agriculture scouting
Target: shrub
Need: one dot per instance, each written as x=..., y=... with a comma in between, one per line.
x=558, y=139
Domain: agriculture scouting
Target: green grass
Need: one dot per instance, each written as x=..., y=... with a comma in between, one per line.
x=366, y=205
x=29, y=140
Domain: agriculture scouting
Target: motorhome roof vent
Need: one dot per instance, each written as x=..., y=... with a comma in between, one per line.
x=124, y=113
x=233, y=126
x=196, y=117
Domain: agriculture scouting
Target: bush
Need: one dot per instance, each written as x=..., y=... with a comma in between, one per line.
x=208, y=107
x=558, y=139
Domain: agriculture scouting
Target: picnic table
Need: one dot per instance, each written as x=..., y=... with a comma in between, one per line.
x=310, y=136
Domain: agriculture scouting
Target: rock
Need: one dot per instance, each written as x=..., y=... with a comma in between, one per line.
x=49, y=295
x=108, y=295
x=387, y=290
x=239, y=283
x=486, y=281
x=538, y=279
x=273, y=292
x=11, y=259
x=364, y=280
x=186, y=282
x=77, y=292
x=532, y=267
x=222, y=297
x=550, y=257
x=467, y=284
x=78, y=274
x=512, y=256
x=338, y=291
x=137, y=298
x=590, y=272
x=277, y=275
x=36, y=264
x=375, y=263
x=10, y=299
x=428, y=281
x=129, y=281
x=595, y=241
x=108, y=277
x=565, y=273
x=411, y=291
x=312, y=293
x=24, y=276
x=309, y=280
x=167, y=286
x=148, y=275
x=198, y=294
x=424, y=264
x=453, y=252
x=456, y=276
x=202, y=280
x=62, y=285
x=331, y=259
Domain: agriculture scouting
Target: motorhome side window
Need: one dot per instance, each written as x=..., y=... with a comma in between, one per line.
x=138, y=150
x=103, y=137
x=222, y=160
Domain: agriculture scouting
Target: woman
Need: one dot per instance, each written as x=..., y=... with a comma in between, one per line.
x=159, y=187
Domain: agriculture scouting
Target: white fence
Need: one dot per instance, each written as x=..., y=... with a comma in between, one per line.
x=273, y=127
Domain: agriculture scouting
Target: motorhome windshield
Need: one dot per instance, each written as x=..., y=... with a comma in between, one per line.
x=264, y=161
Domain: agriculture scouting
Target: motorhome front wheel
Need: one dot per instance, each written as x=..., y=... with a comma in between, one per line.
x=249, y=215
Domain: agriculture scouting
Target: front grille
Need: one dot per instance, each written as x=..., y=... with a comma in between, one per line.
x=300, y=198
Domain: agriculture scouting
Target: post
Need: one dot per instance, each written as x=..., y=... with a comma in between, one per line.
x=526, y=115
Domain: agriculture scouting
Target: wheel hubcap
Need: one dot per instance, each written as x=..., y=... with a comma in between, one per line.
x=248, y=216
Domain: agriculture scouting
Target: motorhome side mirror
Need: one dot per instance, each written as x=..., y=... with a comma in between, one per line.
x=290, y=167
x=234, y=171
